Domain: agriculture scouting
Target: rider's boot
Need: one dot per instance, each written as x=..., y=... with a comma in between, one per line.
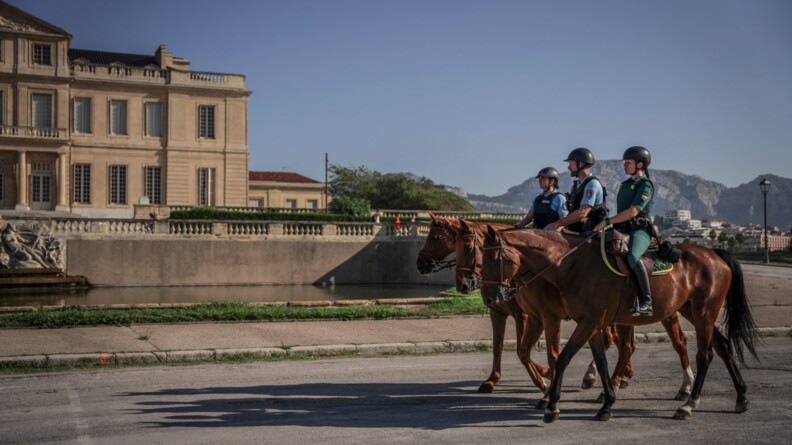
x=643, y=305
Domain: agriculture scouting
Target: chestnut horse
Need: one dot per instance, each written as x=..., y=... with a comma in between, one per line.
x=697, y=288
x=540, y=300
x=441, y=242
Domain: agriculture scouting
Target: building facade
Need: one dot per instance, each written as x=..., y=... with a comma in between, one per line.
x=93, y=132
x=286, y=190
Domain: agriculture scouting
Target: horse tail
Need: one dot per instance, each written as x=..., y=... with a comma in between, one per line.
x=739, y=321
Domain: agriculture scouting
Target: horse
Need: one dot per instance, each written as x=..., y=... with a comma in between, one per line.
x=696, y=288
x=441, y=242
x=540, y=300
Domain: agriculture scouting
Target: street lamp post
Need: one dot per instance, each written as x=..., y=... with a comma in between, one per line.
x=764, y=185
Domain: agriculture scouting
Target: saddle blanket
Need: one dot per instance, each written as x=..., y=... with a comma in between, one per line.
x=619, y=266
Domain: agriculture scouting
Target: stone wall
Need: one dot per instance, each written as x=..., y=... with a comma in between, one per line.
x=173, y=262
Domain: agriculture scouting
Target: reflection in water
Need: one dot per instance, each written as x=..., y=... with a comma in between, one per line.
x=202, y=294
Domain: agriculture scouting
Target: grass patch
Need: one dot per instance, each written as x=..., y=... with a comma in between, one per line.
x=231, y=312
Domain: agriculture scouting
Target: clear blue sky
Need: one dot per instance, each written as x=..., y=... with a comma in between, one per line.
x=480, y=94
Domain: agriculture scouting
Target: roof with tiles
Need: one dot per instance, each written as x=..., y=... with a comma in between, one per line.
x=108, y=58
x=280, y=177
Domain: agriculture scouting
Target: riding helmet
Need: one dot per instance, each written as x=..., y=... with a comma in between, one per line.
x=581, y=154
x=638, y=154
x=550, y=173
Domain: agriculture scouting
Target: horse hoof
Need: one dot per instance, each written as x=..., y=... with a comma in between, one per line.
x=682, y=414
x=682, y=396
x=742, y=407
x=486, y=388
x=603, y=415
x=542, y=404
x=624, y=384
x=601, y=398
x=551, y=417
x=588, y=383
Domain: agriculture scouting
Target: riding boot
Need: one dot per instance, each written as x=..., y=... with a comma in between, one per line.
x=643, y=305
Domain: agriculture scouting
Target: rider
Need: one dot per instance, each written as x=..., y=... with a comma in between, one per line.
x=634, y=205
x=548, y=206
x=587, y=194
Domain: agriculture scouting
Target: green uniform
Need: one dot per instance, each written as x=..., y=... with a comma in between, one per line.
x=637, y=193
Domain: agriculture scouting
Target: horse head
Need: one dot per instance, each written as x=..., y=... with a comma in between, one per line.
x=500, y=265
x=469, y=257
x=438, y=245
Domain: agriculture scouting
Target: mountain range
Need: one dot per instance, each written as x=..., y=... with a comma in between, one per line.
x=706, y=200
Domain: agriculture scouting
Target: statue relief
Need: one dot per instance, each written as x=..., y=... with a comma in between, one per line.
x=29, y=247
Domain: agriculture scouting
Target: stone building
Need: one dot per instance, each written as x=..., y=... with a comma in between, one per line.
x=286, y=190
x=93, y=132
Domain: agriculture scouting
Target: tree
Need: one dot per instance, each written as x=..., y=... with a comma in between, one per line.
x=722, y=238
x=712, y=235
x=393, y=190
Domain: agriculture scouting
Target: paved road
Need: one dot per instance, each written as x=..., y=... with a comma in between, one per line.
x=408, y=399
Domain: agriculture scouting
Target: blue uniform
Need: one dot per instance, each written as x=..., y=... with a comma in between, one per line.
x=592, y=194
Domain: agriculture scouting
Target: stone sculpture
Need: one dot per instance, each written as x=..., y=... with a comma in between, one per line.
x=29, y=247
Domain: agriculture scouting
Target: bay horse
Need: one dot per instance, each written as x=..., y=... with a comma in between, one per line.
x=442, y=241
x=540, y=300
x=696, y=288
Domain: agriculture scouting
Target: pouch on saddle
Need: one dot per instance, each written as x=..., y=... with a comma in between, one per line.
x=617, y=244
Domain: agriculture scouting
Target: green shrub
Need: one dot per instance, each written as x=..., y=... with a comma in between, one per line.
x=357, y=207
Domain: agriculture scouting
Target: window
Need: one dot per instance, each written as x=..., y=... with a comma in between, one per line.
x=154, y=184
x=154, y=119
x=42, y=54
x=2, y=103
x=291, y=203
x=118, y=183
x=255, y=203
x=313, y=204
x=118, y=117
x=206, y=180
x=82, y=183
x=206, y=122
x=42, y=110
x=82, y=115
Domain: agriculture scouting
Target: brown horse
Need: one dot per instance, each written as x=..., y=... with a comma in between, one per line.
x=697, y=288
x=442, y=241
x=540, y=300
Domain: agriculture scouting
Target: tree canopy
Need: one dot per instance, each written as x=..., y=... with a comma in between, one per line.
x=393, y=190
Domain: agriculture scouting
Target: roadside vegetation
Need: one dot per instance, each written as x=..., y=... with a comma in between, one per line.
x=236, y=312
x=778, y=257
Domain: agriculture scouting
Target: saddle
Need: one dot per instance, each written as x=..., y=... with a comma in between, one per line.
x=614, y=247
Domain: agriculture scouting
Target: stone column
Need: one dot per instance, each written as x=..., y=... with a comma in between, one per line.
x=22, y=184
x=62, y=204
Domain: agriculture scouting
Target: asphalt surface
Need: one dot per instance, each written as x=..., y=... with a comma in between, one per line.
x=394, y=400
x=768, y=289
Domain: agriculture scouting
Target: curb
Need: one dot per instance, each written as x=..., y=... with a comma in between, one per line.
x=297, y=352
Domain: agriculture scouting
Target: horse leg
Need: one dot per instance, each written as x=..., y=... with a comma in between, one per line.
x=498, y=320
x=527, y=335
x=580, y=335
x=552, y=326
x=597, y=343
x=679, y=341
x=625, y=344
x=704, y=354
x=722, y=349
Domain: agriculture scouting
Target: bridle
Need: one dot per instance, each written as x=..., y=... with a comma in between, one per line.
x=505, y=287
x=434, y=238
x=470, y=271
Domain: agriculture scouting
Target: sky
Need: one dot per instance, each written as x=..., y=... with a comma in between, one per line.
x=480, y=94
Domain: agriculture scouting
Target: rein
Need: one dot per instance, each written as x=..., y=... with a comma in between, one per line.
x=437, y=266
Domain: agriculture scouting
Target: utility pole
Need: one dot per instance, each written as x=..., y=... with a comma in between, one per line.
x=326, y=192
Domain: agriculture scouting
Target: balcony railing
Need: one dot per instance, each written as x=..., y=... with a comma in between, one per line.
x=33, y=132
x=157, y=76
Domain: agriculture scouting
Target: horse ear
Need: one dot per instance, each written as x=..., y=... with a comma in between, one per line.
x=492, y=234
x=431, y=215
x=465, y=225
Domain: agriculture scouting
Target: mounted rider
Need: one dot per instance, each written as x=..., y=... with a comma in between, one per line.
x=634, y=205
x=548, y=206
x=586, y=201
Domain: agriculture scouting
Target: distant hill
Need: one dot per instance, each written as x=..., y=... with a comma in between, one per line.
x=705, y=199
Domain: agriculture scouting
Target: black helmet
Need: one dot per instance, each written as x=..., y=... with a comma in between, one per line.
x=581, y=154
x=550, y=173
x=638, y=154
